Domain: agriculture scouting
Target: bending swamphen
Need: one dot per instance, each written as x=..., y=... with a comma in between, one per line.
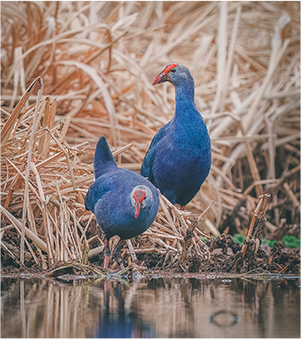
x=123, y=202
x=179, y=157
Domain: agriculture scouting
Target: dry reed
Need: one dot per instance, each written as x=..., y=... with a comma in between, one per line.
x=97, y=61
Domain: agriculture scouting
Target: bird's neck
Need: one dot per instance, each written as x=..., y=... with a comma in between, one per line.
x=185, y=105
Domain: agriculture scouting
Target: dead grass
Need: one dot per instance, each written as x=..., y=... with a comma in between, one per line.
x=97, y=62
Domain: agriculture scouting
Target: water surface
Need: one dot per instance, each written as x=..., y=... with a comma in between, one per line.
x=175, y=307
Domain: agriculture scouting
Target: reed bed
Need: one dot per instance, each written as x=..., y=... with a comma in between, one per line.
x=74, y=71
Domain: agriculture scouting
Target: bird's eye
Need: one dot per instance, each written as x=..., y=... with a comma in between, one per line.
x=173, y=70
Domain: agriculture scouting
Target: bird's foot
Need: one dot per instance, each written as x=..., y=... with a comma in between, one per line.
x=123, y=271
x=132, y=267
x=117, y=254
x=107, y=253
x=106, y=262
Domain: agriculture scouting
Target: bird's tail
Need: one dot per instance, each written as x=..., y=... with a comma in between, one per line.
x=103, y=158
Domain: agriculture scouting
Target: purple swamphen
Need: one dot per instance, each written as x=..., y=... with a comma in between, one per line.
x=123, y=202
x=179, y=157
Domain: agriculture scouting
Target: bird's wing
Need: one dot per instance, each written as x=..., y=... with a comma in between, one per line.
x=101, y=186
x=146, y=168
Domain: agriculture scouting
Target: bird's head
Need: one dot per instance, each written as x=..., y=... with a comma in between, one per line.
x=175, y=74
x=141, y=198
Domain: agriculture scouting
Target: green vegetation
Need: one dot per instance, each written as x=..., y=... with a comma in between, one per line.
x=240, y=238
x=289, y=240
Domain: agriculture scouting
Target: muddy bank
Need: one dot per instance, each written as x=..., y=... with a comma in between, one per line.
x=224, y=258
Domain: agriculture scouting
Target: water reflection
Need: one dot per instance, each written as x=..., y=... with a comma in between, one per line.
x=151, y=308
x=123, y=323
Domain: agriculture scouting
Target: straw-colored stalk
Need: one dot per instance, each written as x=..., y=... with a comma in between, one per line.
x=97, y=62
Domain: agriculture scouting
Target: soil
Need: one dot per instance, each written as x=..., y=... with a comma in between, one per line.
x=222, y=257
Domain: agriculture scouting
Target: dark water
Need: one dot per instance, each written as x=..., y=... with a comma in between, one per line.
x=151, y=308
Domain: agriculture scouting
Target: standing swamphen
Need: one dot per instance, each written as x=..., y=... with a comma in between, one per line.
x=123, y=202
x=179, y=157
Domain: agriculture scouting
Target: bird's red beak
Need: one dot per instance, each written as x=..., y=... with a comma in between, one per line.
x=137, y=210
x=139, y=195
x=161, y=77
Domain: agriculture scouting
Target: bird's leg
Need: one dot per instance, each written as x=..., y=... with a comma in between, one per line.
x=107, y=253
x=183, y=208
x=117, y=253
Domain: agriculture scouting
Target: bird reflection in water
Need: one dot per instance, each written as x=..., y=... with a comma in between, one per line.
x=120, y=324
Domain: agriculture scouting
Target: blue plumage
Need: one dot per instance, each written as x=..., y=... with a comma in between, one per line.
x=179, y=158
x=123, y=202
